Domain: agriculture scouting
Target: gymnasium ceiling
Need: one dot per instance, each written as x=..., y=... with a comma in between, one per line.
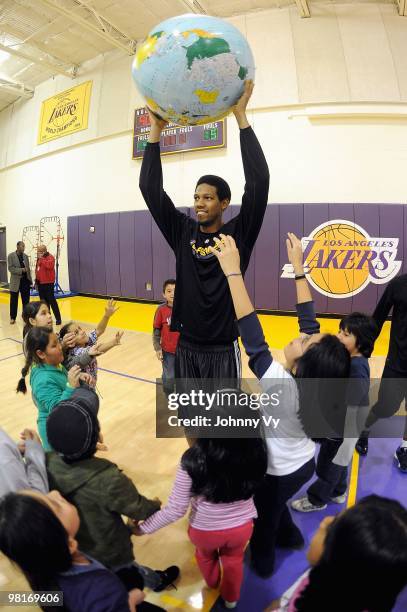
x=42, y=38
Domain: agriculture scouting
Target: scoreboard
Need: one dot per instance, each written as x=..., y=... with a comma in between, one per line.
x=178, y=139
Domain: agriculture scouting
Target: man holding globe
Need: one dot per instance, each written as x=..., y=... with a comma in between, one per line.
x=203, y=312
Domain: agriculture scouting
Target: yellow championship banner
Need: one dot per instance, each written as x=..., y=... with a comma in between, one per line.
x=65, y=113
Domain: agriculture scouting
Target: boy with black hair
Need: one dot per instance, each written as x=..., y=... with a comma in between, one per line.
x=101, y=492
x=164, y=340
x=357, y=331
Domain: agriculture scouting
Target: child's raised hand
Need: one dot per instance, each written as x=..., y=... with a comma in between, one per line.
x=87, y=379
x=74, y=376
x=294, y=251
x=227, y=254
x=111, y=308
x=68, y=341
x=94, y=350
x=118, y=337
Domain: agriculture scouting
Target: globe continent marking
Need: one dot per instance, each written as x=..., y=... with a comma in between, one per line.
x=192, y=75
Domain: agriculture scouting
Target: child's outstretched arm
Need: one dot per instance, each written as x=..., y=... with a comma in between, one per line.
x=110, y=309
x=176, y=507
x=250, y=329
x=106, y=346
x=305, y=306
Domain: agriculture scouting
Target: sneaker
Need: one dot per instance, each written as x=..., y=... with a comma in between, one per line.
x=12, y=321
x=401, y=457
x=168, y=577
x=304, y=505
x=230, y=604
x=339, y=499
x=362, y=446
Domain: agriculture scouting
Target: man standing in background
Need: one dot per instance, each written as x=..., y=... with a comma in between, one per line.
x=20, y=279
x=45, y=280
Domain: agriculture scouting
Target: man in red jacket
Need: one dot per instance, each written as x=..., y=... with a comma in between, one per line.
x=45, y=279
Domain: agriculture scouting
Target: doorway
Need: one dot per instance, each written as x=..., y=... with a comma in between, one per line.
x=3, y=257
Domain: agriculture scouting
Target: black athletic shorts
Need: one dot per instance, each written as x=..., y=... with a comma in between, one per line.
x=217, y=362
x=206, y=367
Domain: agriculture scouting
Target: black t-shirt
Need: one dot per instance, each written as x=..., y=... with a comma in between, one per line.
x=203, y=309
x=395, y=296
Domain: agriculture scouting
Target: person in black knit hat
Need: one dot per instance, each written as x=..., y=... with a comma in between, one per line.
x=100, y=491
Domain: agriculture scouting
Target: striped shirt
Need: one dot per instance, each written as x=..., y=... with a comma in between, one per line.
x=204, y=515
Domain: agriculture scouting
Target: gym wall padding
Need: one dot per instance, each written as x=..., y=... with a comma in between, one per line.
x=127, y=254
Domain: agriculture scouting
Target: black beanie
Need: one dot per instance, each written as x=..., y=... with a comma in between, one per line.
x=73, y=427
x=222, y=188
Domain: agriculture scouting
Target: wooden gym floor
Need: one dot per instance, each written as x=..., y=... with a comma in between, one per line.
x=127, y=385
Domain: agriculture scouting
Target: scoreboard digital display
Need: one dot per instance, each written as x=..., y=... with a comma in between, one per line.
x=176, y=138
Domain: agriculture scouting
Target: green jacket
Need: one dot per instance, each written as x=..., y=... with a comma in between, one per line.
x=101, y=493
x=49, y=385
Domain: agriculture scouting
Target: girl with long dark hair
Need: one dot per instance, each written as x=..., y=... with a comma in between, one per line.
x=36, y=314
x=218, y=477
x=302, y=403
x=49, y=380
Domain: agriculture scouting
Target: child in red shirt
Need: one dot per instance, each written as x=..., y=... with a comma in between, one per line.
x=164, y=340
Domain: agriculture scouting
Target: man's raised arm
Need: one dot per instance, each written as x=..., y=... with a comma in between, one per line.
x=167, y=217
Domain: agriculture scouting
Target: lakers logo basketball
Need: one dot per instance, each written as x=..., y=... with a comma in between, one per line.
x=341, y=259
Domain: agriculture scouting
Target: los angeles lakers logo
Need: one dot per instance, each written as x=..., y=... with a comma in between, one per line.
x=341, y=259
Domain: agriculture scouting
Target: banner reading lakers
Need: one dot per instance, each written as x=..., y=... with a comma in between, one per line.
x=341, y=259
x=65, y=113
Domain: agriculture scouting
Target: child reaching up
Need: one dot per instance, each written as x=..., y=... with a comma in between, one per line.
x=358, y=561
x=86, y=344
x=49, y=380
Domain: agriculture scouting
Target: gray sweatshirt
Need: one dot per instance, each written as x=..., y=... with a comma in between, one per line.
x=17, y=472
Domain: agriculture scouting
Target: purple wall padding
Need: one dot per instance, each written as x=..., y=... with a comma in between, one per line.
x=85, y=255
x=404, y=265
x=135, y=253
x=73, y=254
x=391, y=222
x=163, y=258
x=314, y=215
x=267, y=261
x=367, y=216
x=112, y=254
x=341, y=211
x=143, y=254
x=232, y=211
x=97, y=254
x=127, y=254
x=291, y=220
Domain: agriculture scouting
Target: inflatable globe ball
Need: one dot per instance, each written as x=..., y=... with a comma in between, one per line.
x=191, y=69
